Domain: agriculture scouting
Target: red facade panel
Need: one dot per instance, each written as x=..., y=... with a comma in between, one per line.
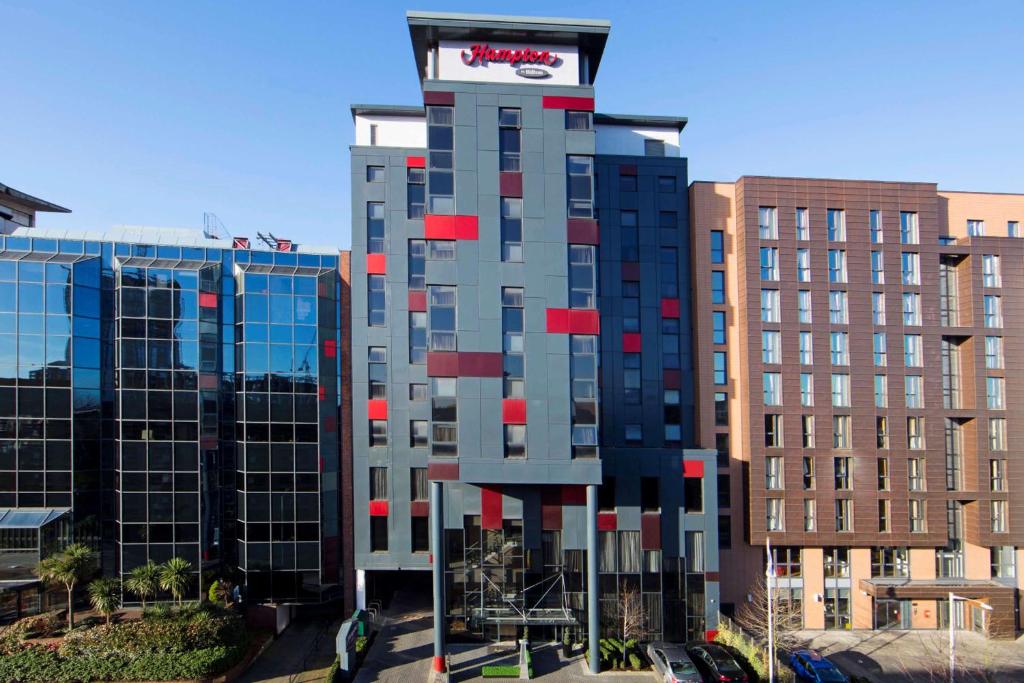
x=650, y=531
x=672, y=379
x=558, y=320
x=207, y=300
x=417, y=301
x=419, y=508
x=438, y=97
x=442, y=364
x=378, y=508
x=693, y=469
x=573, y=494
x=376, y=264
x=627, y=169
x=330, y=348
x=582, y=231
x=584, y=321
x=510, y=184
x=630, y=271
x=443, y=471
x=377, y=409
x=437, y=227
x=670, y=308
x=416, y=162
x=574, y=103
x=607, y=521
x=490, y=507
x=513, y=411
x=631, y=342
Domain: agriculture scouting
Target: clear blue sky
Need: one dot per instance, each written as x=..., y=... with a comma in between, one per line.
x=154, y=112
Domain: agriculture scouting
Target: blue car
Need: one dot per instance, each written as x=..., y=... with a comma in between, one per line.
x=810, y=666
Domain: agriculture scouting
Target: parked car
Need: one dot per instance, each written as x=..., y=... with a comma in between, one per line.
x=673, y=664
x=716, y=663
x=810, y=666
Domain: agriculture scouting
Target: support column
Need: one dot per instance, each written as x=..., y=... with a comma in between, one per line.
x=593, y=604
x=360, y=589
x=437, y=567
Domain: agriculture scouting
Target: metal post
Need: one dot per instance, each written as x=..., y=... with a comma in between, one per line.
x=952, y=639
x=593, y=604
x=438, y=565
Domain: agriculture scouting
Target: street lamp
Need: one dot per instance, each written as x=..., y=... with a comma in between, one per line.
x=952, y=628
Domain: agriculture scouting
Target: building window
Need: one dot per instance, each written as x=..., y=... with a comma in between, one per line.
x=375, y=174
x=654, y=148
x=911, y=308
x=911, y=268
x=990, y=270
x=724, y=532
x=771, y=346
x=1004, y=561
x=419, y=434
x=444, y=415
x=840, y=348
x=1013, y=228
x=913, y=389
x=772, y=431
x=770, y=307
x=512, y=342
x=377, y=369
x=441, y=318
x=917, y=516
x=882, y=470
x=629, y=236
x=807, y=463
x=767, y=223
x=717, y=287
x=420, y=538
x=511, y=230
x=416, y=192
x=509, y=139
x=913, y=353
x=378, y=483
x=810, y=514
x=995, y=393
x=998, y=516
x=673, y=416
x=378, y=432
x=583, y=392
x=806, y=342
x=773, y=473
x=668, y=273
x=631, y=378
x=650, y=495
x=807, y=429
x=975, y=228
x=889, y=562
x=837, y=308
x=722, y=446
x=634, y=433
x=378, y=534
x=844, y=514
x=693, y=497
x=772, y=385
x=841, y=431
x=840, y=390
x=581, y=186
x=666, y=183
x=606, y=495
x=582, y=276
x=908, y=228
x=881, y=391
x=877, y=268
x=997, y=434
x=803, y=301
x=881, y=432
x=579, y=120
x=373, y=134
x=875, y=221
x=843, y=470
x=627, y=182
x=994, y=353
x=775, y=508
x=721, y=367
x=376, y=301
x=806, y=389
x=717, y=247
x=441, y=250
x=670, y=359
x=836, y=219
x=915, y=475
x=717, y=324
x=993, y=311
x=769, y=263
x=721, y=409
x=417, y=338
x=837, y=563
x=915, y=433
x=837, y=265
x=417, y=392
x=877, y=308
x=418, y=484
x=803, y=225
x=440, y=160
x=417, y=264
x=803, y=265
x=515, y=441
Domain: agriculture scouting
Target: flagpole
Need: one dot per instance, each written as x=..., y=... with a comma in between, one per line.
x=769, y=580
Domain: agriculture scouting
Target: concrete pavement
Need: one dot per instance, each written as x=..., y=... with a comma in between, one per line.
x=302, y=654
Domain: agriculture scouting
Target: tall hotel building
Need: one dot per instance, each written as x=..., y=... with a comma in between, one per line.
x=858, y=350
x=164, y=394
x=523, y=391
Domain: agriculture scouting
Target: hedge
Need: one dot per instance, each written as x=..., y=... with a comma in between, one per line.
x=502, y=671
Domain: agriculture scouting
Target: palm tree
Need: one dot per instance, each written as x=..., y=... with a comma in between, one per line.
x=105, y=596
x=174, y=576
x=73, y=564
x=143, y=581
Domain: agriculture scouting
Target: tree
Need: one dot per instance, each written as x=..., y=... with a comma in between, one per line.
x=752, y=616
x=105, y=596
x=143, y=582
x=174, y=577
x=70, y=566
x=631, y=615
x=220, y=591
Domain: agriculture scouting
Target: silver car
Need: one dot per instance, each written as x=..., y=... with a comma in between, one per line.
x=673, y=664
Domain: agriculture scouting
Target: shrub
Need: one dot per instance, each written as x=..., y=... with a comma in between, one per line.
x=634, y=661
x=756, y=658
x=500, y=671
x=334, y=673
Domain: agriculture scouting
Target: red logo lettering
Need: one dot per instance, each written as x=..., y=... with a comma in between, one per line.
x=481, y=54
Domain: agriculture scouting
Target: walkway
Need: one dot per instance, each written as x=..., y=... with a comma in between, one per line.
x=404, y=648
x=302, y=654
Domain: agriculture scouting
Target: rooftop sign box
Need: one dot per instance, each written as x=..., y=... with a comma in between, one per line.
x=481, y=61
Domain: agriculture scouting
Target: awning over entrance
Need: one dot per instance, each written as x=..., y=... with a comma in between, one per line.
x=534, y=617
x=1000, y=596
x=29, y=518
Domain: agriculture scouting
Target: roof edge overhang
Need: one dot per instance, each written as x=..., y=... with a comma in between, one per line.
x=676, y=122
x=28, y=200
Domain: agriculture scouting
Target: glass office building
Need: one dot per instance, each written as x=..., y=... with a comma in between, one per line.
x=171, y=395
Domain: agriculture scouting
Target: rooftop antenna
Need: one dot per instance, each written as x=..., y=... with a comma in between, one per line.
x=274, y=242
x=214, y=228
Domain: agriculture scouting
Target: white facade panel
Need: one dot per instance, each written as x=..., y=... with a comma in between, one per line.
x=510, y=63
x=613, y=139
x=391, y=131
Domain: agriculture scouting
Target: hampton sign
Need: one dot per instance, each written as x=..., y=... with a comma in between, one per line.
x=508, y=63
